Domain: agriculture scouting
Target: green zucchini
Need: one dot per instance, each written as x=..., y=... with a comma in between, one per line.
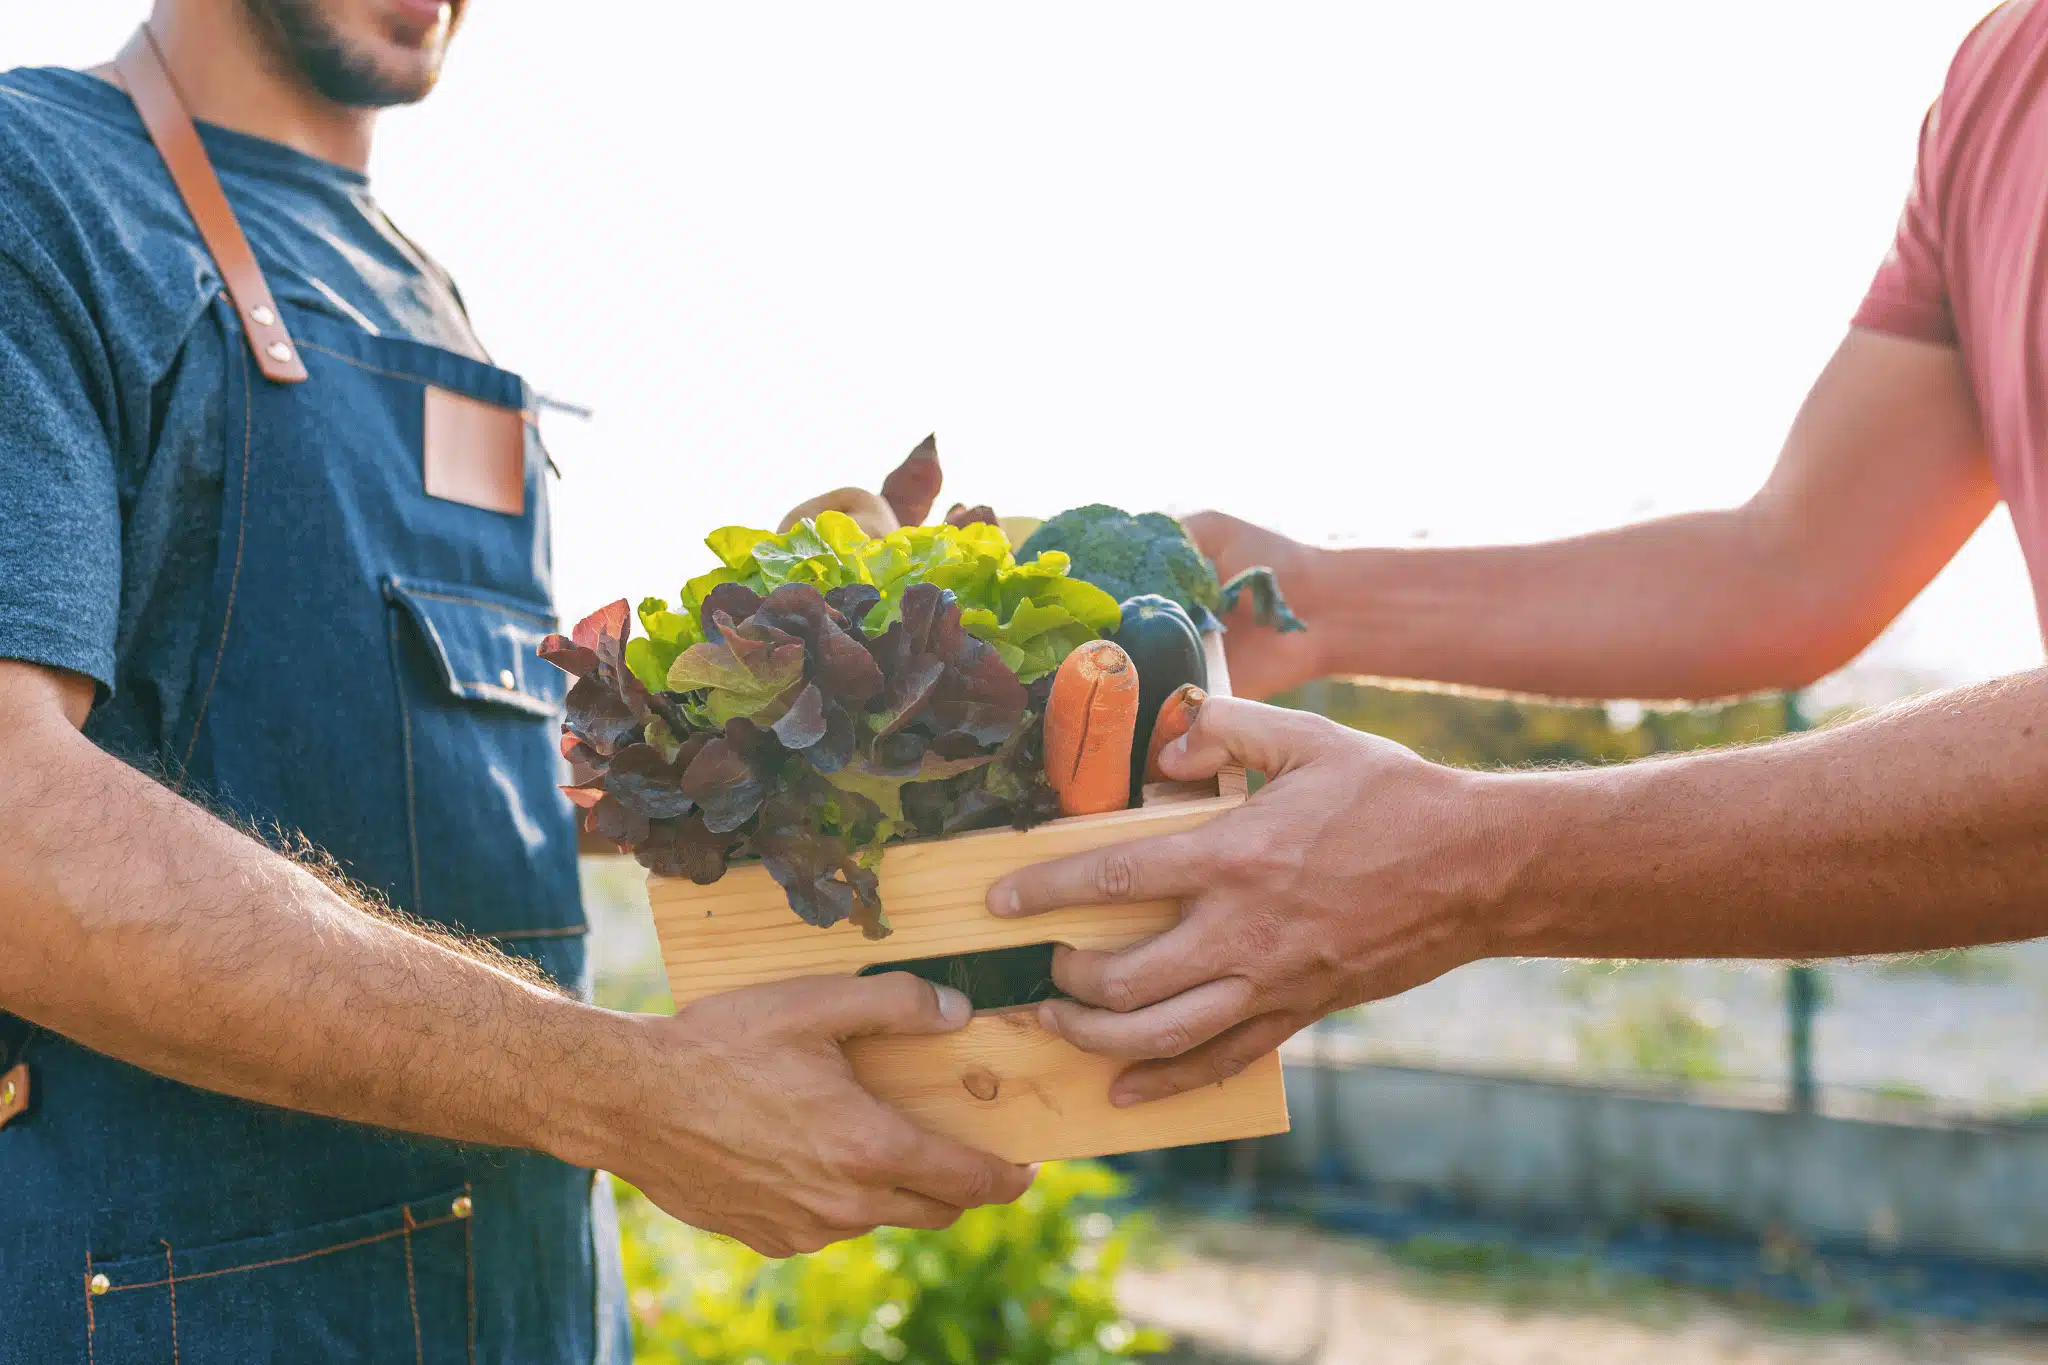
x=1162, y=641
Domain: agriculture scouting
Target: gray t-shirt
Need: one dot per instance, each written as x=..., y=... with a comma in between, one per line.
x=113, y=377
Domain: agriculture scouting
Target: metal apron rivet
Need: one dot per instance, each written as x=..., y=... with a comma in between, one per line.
x=461, y=1207
x=278, y=351
x=6, y=1094
x=99, y=1284
x=507, y=681
x=262, y=316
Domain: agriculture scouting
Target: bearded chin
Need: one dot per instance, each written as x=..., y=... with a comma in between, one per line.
x=300, y=34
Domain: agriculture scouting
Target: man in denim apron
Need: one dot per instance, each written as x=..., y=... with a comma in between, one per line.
x=273, y=535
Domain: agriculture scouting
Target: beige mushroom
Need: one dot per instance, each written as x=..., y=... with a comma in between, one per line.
x=867, y=509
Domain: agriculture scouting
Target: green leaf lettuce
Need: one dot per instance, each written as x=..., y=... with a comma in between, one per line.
x=1034, y=614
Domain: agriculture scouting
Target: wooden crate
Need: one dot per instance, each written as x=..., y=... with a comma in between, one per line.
x=1002, y=1083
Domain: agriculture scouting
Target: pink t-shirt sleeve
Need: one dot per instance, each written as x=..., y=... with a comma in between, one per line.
x=1909, y=297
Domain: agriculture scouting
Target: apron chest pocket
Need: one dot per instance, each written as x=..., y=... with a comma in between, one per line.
x=493, y=838
x=391, y=1285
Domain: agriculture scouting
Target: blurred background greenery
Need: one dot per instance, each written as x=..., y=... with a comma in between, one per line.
x=1030, y=1283
x=1482, y=730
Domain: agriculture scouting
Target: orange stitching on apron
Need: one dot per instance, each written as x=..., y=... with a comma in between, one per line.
x=412, y=828
x=287, y=1260
x=88, y=1308
x=492, y=690
x=469, y=1268
x=412, y=1293
x=171, y=1280
x=234, y=580
x=411, y=591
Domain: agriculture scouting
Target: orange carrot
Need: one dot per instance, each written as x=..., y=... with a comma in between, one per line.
x=1176, y=717
x=1090, y=722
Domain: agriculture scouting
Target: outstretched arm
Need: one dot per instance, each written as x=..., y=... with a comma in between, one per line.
x=1361, y=870
x=139, y=925
x=1881, y=480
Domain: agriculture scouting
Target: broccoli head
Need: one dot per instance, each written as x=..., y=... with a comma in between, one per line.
x=1128, y=556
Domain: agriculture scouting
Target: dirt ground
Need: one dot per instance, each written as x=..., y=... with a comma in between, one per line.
x=1239, y=1293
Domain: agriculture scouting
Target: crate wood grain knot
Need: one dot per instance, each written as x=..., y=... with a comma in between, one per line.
x=1002, y=1083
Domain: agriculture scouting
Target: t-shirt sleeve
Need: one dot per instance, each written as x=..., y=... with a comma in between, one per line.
x=1909, y=297
x=60, y=516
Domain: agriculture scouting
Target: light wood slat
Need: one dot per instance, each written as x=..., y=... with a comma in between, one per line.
x=740, y=931
x=1047, y=1101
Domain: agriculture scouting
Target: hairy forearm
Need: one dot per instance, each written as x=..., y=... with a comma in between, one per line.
x=139, y=925
x=1921, y=827
x=1687, y=607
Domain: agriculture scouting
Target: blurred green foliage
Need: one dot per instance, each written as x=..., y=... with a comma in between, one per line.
x=1643, y=1020
x=1654, y=1033
x=1029, y=1283
x=1478, y=730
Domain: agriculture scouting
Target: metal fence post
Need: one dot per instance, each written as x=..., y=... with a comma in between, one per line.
x=1801, y=998
x=1802, y=983
x=1330, y=1166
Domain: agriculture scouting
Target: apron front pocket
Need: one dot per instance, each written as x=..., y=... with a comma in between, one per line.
x=392, y=1285
x=493, y=838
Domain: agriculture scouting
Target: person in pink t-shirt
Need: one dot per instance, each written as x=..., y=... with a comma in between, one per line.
x=1361, y=870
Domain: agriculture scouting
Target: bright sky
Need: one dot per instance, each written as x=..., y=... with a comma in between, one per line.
x=1490, y=271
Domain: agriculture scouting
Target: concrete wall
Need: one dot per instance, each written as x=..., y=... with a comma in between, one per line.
x=1522, y=1148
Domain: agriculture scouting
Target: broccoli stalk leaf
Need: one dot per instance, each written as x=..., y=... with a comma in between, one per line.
x=1269, y=607
x=1130, y=556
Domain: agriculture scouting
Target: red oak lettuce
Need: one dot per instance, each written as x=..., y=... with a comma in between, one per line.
x=787, y=733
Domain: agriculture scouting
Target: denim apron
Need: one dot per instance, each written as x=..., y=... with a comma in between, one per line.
x=368, y=681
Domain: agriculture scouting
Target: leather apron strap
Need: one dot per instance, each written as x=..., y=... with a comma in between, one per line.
x=142, y=70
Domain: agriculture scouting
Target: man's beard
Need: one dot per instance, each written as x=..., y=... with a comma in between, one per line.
x=299, y=32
